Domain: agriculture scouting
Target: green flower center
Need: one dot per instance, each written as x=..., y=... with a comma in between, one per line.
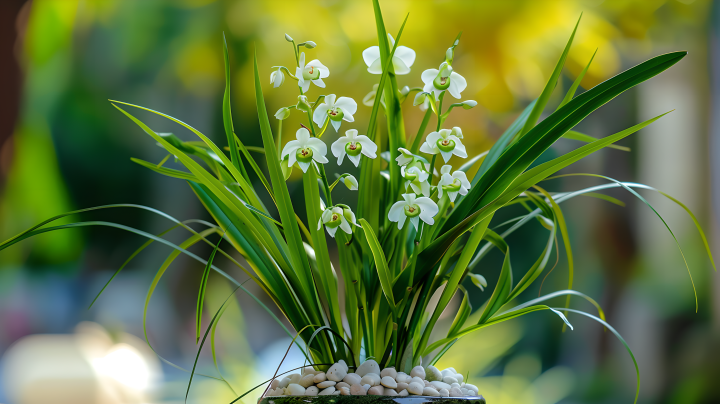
x=410, y=176
x=453, y=187
x=353, y=148
x=441, y=83
x=446, y=145
x=334, y=221
x=311, y=73
x=412, y=210
x=304, y=154
x=335, y=114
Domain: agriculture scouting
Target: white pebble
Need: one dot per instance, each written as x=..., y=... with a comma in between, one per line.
x=401, y=386
x=388, y=382
x=447, y=372
x=376, y=391
x=341, y=385
x=336, y=372
x=284, y=382
x=295, y=390
x=307, y=380
x=449, y=380
x=403, y=378
x=371, y=378
x=440, y=385
x=312, y=391
x=295, y=378
x=444, y=393
x=417, y=380
x=326, y=384
x=336, y=393
x=403, y=393
x=357, y=390
x=345, y=391
x=418, y=371
x=471, y=387
x=369, y=366
x=466, y=392
x=415, y=388
x=308, y=371
x=459, y=377
x=452, y=369
x=320, y=377
x=275, y=384
x=432, y=373
x=456, y=392
x=352, y=378
x=390, y=392
x=344, y=365
x=391, y=372
x=328, y=391
x=366, y=387
x=429, y=391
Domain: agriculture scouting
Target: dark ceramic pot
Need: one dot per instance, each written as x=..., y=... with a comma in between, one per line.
x=371, y=400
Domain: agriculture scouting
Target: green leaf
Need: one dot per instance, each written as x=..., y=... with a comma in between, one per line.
x=227, y=115
x=504, y=285
x=589, y=139
x=210, y=327
x=380, y=263
x=201, y=292
x=462, y=314
x=549, y=87
x=571, y=91
x=165, y=171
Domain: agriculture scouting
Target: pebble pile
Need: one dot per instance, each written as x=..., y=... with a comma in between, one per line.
x=368, y=379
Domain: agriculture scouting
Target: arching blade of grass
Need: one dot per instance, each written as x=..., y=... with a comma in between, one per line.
x=632, y=191
x=201, y=292
x=504, y=285
x=572, y=135
x=549, y=87
x=227, y=115
x=619, y=337
x=560, y=220
x=573, y=88
x=169, y=172
x=210, y=327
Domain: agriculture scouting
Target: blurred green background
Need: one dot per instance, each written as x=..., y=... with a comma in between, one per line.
x=63, y=147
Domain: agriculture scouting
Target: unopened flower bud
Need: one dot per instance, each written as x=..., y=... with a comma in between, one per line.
x=288, y=38
x=282, y=113
x=469, y=104
x=405, y=90
x=350, y=182
x=449, y=55
x=310, y=44
x=420, y=98
x=303, y=104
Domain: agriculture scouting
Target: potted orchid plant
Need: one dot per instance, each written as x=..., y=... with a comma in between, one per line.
x=422, y=225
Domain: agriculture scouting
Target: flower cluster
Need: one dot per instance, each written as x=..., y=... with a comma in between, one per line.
x=424, y=198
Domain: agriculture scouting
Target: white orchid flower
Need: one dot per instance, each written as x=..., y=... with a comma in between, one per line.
x=312, y=72
x=405, y=157
x=403, y=58
x=340, y=110
x=304, y=150
x=351, y=182
x=415, y=208
x=416, y=177
x=446, y=142
x=454, y=184
x=353, y=145
x=337, y=217
x=439, y=80
x=277, y=77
